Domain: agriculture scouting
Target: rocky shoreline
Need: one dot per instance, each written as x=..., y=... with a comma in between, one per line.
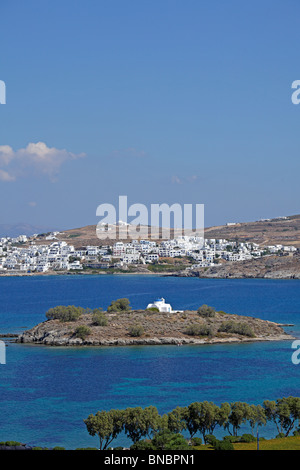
x=51, y=341
x=158, y=329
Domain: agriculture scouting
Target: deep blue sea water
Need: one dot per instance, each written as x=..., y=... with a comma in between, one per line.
x=46, y=392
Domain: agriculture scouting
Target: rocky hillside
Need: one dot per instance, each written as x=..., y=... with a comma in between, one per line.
x=149, y=328
x=269, y=232
x=281, y=231
x=269, y=267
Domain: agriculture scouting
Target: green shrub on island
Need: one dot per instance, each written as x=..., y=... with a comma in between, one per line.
x=152, y=309
x=82, y=332
x=99, y=319
x=97, y=310
x=65, y=313
x=136, y=330
x=206, y=312
x=239, y=328
x=119, y=306
x=197, y=329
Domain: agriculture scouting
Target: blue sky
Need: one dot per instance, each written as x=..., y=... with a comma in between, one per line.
x=162, y=101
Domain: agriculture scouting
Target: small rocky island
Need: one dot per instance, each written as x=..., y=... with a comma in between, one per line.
x=120, y=325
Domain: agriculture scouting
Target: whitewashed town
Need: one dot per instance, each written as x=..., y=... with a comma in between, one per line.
x=25, y=255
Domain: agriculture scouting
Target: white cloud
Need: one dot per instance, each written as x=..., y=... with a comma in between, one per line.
x=5, y=176
x=6, y=154
x=36, y=158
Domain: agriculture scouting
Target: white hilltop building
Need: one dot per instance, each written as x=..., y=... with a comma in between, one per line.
x=161, y=305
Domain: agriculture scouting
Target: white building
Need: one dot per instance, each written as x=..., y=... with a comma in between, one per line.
x=130, y=258
x=150, y=257
x=75, y=265
x=161, y=305
x=118, y=249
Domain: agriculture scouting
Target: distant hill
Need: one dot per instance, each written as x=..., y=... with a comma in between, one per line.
x=87, y=235
x=285, y=231
x=280, y=231
x=14, y=230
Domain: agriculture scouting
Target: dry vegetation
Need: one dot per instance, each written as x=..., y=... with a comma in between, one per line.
x=273, y=232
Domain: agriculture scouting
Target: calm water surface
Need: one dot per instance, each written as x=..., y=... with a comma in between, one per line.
x=46, y=392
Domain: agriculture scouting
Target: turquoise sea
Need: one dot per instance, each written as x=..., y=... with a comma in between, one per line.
x=46, y=392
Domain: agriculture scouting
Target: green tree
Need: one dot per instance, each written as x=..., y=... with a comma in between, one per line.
x=257, y=417
x=107, y=425
x=285, y=413
x=294, y=405
x=240, y=413
x=139, y=422
x=223, y=414
x=152, y=420
x=202, y=417
x=176, y=419
x=272, y=414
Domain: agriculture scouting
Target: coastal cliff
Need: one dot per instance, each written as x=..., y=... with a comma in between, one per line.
x=141, y=327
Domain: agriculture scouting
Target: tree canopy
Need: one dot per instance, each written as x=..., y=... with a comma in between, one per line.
x=147, y=429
